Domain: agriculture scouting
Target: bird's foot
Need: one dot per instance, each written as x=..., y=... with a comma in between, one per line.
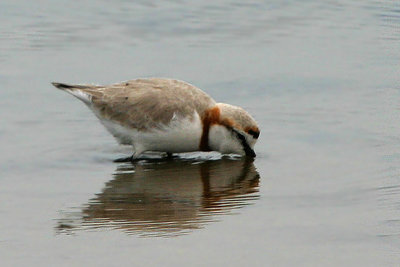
x=135, y=158
x=127, y=159
x=171, y=156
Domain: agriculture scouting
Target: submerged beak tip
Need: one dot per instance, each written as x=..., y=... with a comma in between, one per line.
x=251, y=153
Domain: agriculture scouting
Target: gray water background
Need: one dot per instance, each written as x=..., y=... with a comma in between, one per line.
x=320, y=77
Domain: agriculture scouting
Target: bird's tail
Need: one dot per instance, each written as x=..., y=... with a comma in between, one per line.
x=79, y=91
x=64, y=86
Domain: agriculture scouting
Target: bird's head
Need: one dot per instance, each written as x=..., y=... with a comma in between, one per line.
x=233, y=130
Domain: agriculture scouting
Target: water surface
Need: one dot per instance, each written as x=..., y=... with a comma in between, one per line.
x=321, y=78
x=168, y=197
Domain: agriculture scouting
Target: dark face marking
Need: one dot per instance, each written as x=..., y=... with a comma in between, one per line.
x=247, y=149
x=253, y=133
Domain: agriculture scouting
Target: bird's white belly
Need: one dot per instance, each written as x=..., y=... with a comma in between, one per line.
x=180, y=135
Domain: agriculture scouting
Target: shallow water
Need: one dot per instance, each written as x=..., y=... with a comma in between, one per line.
x=168, y=197
x=321, y=78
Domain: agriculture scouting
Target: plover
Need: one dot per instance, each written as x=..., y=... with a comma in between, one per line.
x=167, y=115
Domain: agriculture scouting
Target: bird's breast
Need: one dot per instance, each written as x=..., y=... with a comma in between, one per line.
x=181, y=134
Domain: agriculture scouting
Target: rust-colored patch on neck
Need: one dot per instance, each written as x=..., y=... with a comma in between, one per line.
x=210, y=117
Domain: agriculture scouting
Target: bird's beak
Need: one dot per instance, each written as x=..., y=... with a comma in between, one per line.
x=250, y=152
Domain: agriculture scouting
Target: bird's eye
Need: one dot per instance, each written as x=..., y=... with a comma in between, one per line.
x=253, y=133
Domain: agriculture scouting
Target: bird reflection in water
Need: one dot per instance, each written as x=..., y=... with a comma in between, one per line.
x=167, y=197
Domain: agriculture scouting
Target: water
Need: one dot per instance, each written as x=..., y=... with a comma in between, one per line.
x=168, y=198
x=321, y=78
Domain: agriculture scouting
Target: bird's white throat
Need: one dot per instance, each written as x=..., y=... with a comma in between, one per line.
x=221, y=139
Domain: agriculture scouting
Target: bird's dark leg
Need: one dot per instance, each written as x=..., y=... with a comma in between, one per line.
x=127, y=159
x=171, y=156
x=132, y=158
